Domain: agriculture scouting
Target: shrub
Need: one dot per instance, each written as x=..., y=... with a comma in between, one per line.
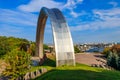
x=113, y=60
x=118, y=63
x=18, y=63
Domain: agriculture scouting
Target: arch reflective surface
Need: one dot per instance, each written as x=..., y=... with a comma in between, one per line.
x=64, y=50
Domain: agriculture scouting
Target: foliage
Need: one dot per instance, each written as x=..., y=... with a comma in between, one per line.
x=113, y=56
x=4, y=46
x=50, y=60
x=18, y=63
x=9, y=43
x=31, y=49
x=113, y=60
x=76, y=49
x=24, y=46
x=116, y=48
x=45, y=46
x=106, y=51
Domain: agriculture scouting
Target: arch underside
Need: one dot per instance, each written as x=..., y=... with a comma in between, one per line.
x=64, y=50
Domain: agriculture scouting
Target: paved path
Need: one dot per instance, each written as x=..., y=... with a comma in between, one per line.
x=90, y=58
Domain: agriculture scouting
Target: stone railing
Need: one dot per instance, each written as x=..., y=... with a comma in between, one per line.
x=28, y=75
x=102, y=65
x=33, y=75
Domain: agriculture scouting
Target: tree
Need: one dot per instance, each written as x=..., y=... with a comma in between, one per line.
x=31, y=49
x=9, y=43
x=113, y=60
x=109, y=58
x=24, y=46
x=113, y=56
x=116, y=48
x=18, y=63
x=76, y=49
x=4, y=46
x=118, y=64
x=45, y=47
x=106, y=51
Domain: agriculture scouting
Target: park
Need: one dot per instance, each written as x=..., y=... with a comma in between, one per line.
x=23, y=59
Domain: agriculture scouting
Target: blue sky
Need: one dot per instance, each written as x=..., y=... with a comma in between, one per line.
x=89, y=20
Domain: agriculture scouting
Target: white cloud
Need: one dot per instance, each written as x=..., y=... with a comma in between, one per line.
x=106, y=19
x=36, y=5
x=17, y=18
x=109, y=12
x=18, y=24
x=113, y=3
x=75, y=15
x=71, y=5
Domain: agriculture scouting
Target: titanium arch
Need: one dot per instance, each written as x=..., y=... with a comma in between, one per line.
x=64, y=50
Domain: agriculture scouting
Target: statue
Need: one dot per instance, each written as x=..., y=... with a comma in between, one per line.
x=63, y=43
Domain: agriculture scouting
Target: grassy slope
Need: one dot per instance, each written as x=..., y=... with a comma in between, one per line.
x=79, y=72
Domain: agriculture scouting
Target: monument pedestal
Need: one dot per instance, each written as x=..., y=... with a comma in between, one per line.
x=65, y=62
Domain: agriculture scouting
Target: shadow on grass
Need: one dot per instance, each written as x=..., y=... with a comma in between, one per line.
x=49, y=62
x=79, y=75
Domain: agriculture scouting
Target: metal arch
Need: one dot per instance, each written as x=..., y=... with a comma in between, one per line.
x=62, y=38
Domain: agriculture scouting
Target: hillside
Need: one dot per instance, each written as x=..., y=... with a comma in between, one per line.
x=78, y=72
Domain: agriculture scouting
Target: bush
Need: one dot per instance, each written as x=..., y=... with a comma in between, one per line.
x=113, y=56
x=113, y=60
x=18, y=63
x=118, y=64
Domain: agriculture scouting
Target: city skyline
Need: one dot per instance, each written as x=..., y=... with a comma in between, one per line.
x=89, y=20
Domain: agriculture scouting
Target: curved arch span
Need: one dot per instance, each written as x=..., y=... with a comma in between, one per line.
x=64, y=50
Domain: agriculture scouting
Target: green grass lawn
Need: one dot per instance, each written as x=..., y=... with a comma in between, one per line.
x=78, y=72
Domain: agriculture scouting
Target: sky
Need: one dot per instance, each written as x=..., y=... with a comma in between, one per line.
x=90, y=21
